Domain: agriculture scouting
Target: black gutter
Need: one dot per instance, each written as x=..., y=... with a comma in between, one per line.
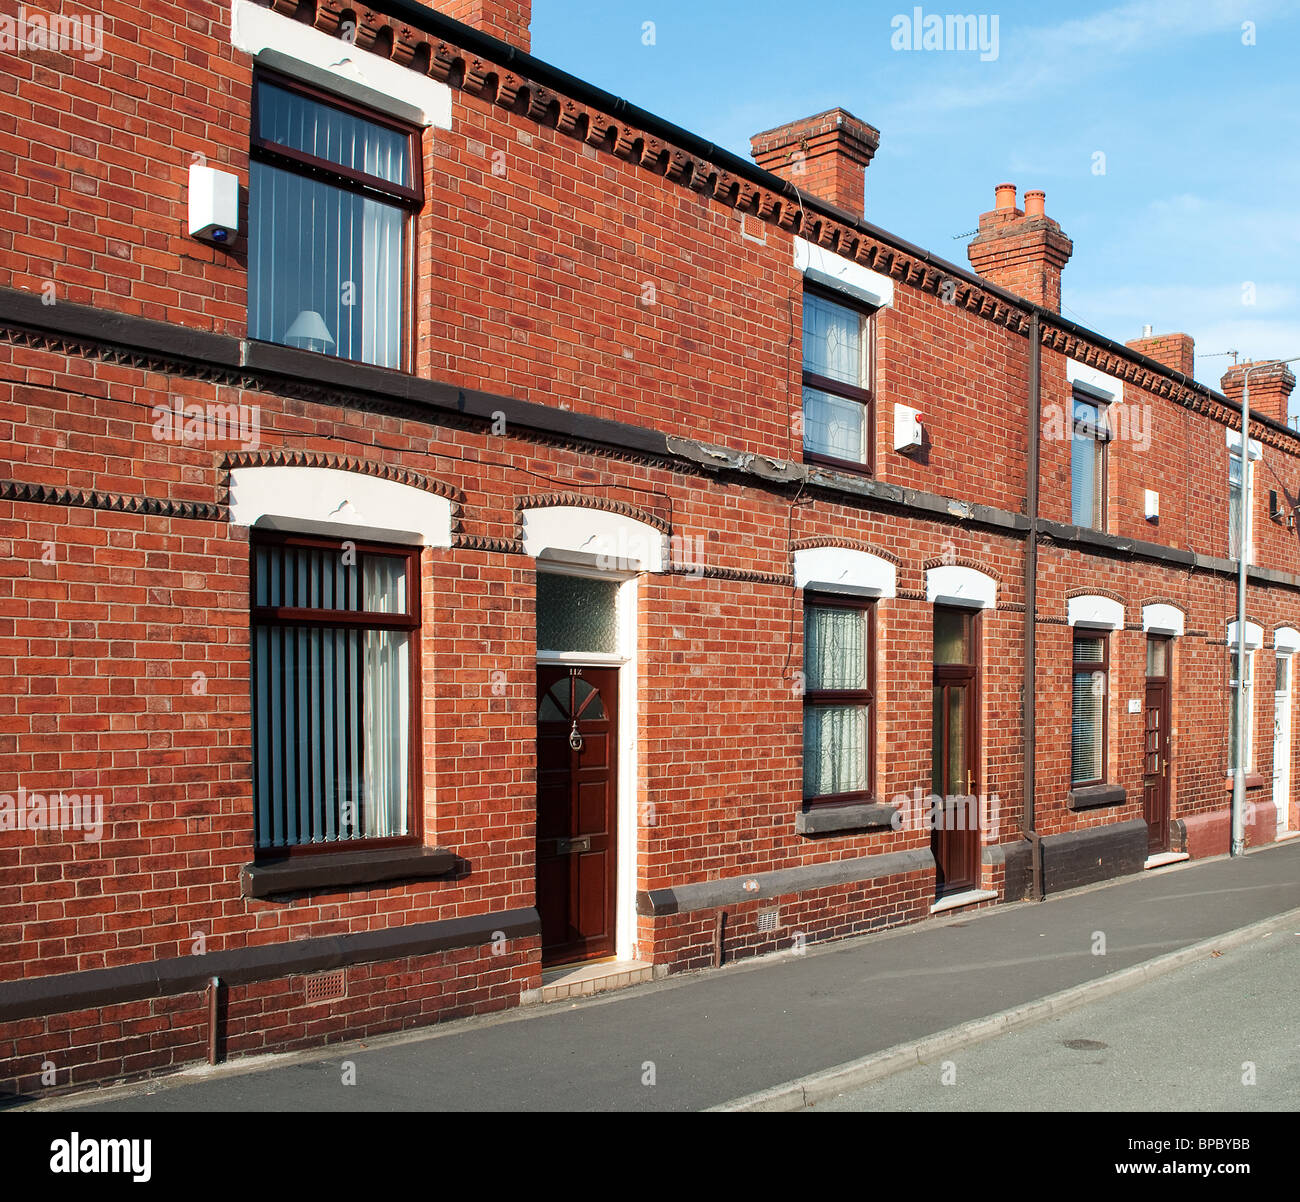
x=420, y=17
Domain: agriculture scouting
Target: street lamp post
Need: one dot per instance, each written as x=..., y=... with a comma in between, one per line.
x=1238, y=846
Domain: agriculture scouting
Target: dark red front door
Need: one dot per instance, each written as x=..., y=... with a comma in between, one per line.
x=577, y=773
x=1156, y=747
x=955, y=839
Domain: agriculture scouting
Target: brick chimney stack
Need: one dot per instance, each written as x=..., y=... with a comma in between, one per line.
x=508, y=20
x=1271, y=384
x=826, y=155
x=1175, y=351
x=1023, y=251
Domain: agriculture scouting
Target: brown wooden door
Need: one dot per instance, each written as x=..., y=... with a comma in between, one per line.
x=577, y=774
x=1156, y=747
x=955, y=839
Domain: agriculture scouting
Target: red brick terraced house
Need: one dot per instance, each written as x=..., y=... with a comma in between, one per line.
x=457, y=526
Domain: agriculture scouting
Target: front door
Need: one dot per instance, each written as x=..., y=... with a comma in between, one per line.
x=955, y=840
x=1282, y=743
x=577, y=740
x=1156, y=747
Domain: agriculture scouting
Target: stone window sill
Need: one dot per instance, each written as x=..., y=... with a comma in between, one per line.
x=842, y=820
x=1093, y=797
x=333, y=871
x=1254, y=780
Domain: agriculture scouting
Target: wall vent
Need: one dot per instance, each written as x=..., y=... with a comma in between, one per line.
x=326, y=987
x=769, y=920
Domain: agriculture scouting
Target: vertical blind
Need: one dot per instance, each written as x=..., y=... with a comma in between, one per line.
x=318, y=250
x=1089, y=708
x=1085, y=465
x=331, y=746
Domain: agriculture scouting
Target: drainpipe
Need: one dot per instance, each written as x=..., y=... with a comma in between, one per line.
x=1238, y=846
x=1027, y=814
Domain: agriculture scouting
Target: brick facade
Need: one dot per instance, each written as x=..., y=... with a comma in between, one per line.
x=602, y=318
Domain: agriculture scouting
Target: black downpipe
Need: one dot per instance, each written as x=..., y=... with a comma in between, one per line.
x=1028, y=816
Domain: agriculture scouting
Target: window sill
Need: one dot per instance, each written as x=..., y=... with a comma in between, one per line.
x=1254, y=780
x=1093, y=797
x=333, y=871
x=832, y=820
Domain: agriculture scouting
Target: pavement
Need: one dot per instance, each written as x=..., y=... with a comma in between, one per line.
x=1132, y=1051
x=703, y=1040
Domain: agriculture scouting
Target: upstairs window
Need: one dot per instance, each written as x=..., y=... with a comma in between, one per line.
x=335, y=694
x=331, y=189
x=837, y=397
x=1089, y=435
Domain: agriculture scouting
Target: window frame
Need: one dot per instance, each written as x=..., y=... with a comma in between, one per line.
x=1247, y=502
x=866, y=397
x=410, y=199
x=1100, y=439
x=827, y=697
x=1091, y=668
x=410, y=621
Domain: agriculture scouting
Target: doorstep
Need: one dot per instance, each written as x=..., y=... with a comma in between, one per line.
x=969, y=898
x=1283, y=836
x=582, y=980
x=1164, y=858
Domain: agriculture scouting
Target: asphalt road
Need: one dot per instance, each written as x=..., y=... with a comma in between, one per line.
x=1183, y=1042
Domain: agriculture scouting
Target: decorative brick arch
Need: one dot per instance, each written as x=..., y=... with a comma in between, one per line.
x=313, y=491
x=613, y=536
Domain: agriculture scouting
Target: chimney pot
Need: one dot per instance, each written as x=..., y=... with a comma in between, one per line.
x=1022, y=252
x=1147, y=331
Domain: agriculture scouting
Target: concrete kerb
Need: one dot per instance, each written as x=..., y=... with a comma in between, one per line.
x=808, y=1091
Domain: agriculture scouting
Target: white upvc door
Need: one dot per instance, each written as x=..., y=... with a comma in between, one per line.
x=1282, y=743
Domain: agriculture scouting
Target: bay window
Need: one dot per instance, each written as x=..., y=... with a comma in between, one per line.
x=335, y=694
x=1088, y=718
x=331, y=187
x=838, y=418
x=839, y=700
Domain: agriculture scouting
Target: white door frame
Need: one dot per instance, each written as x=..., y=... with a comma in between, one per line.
x=626, y=661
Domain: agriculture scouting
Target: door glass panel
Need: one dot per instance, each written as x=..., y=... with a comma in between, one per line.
x=956, y=742
x=1283, y=673
x=952, y=641
x=576, y=613
x=586, y=701
x=553, y=704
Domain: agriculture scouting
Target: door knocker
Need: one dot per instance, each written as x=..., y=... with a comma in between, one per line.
x=575, y=739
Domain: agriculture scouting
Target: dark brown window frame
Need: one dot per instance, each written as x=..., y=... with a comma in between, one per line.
x=1102, y=666
x=1102, y=438
x=411, y=199
x=866, y=397
x=827, y=697
x=410, y=621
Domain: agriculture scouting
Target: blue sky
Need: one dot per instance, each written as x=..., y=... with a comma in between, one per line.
x=1199, y=130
